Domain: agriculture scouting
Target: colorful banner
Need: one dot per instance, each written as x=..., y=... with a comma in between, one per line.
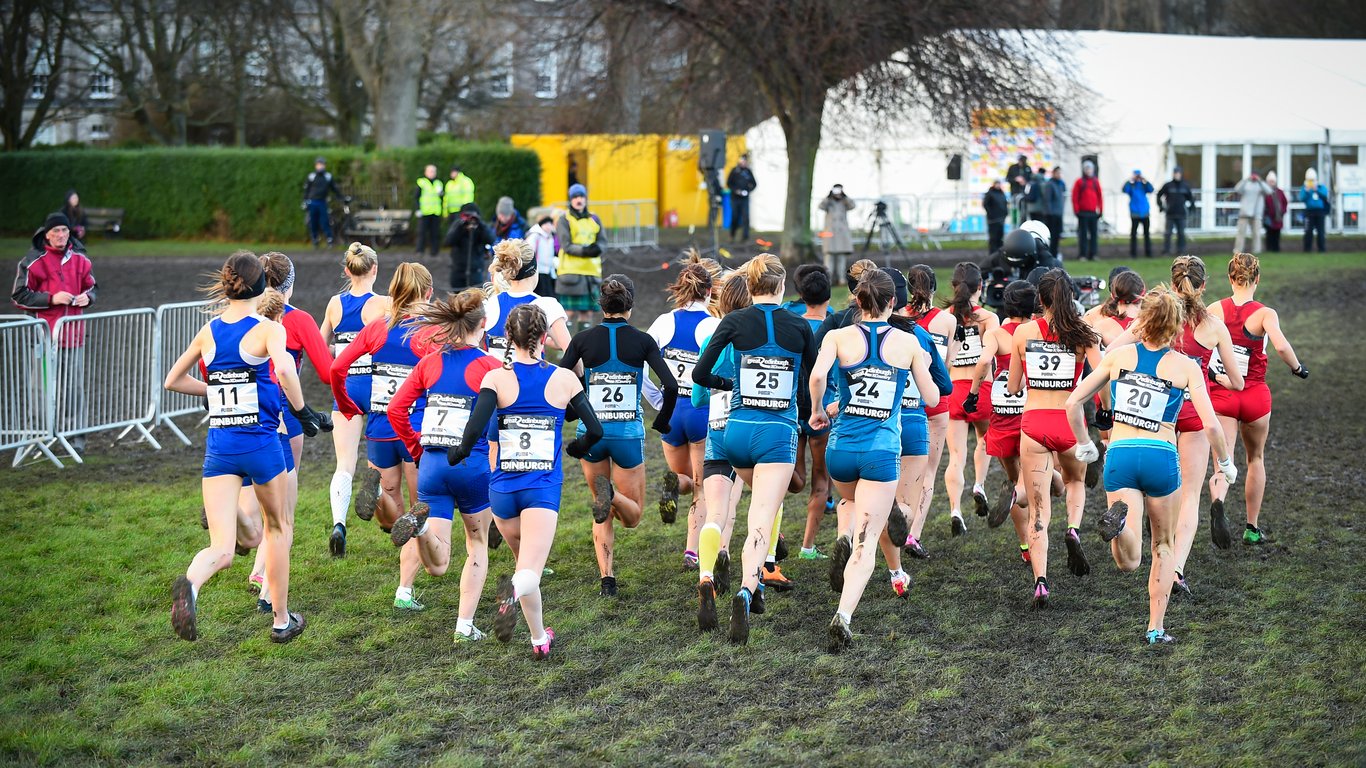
x=999, y=136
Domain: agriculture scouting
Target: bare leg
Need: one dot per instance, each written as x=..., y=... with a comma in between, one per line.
x=390, y=505
x=820, y=488
x=981, y=462
x=871, y=506
x=537, y=535
x=697, y=514
x=476, y=568
x=220, y=506
x=1127, y=547
x=279, y=523
x=767, y=484
x=953, y=473
x=1037, y=464
x=938, y=429
x=1161, y=515
x=1194, y=450
x=1254, y=486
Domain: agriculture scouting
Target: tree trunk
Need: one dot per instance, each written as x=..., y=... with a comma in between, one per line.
x=803, y=133
x=396, y=103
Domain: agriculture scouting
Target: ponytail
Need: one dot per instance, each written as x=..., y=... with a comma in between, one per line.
x=1126, y=288
x=410, y=286
x=1188, y=280
x=967, y=280
x=922, y=285
x=1055, y=293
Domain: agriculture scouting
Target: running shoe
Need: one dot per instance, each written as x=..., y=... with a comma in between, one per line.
x=780, y=551
x=1004, y=503
x=1093, y=470
x=495, y=537
x=690, y=560
x=959, y=527
x=812, y=554
x=1218, y=525
x=1253, y=536
x=542, y=652
x=410, y=604
x=897, y=529
x=609, y=587
x=367, y=497
x=1180, y=588
x=242, y=550
x=264, y=606
x=1159, y=637
x=183, y=609
x=1112, y=521
x=336, y=543
x=473, y=637
x=775, y=579
x=830, y=503
x=901, y=584
x=758, y=603
x=721, y=572
x=602, y=499
x=914, y=548
x=739, y=618
x=506, y=618
x=292, y=630
x=1058, y=488
x=706, y=605
x=1024, y=555
x=844, y=548
x=204, y=518
x=255, y=582
x=1040, y=600
x=979, y=500
x=1076, y=559
x=838, y=635
x=407, y=526
x=668, y=497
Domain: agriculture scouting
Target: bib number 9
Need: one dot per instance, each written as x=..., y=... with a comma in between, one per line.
x=681, y=363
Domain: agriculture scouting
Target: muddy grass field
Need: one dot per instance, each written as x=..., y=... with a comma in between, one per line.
x=1269, y=667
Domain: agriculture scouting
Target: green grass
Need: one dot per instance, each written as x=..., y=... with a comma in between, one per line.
x=1268, y=670
x=118, y=247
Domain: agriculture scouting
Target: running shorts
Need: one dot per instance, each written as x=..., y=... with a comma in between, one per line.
x=1146, y=465
x=687, y=425
x=1248, y=405
x=508, y=505
x=1003, y=436
x=387, y=453
x=849, y=466
x=445, y=488
x=748, y=444
x=625, y=452
x=1048, y=427
x=915, y=436
x=260, y=467
x=960, y=394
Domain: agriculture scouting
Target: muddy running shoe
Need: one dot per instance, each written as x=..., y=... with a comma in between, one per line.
x=1180, y=588
x=204, y=518
x=1076, y=559
x=1253, y=535
x=241, y=550
x=668, y=498
x=758, y=602
x=780, y=551
x=1218, y=525
x=336, y=543
x=1004, y=503
x=183, y=609
x=264, y=606
x=914, y=548
x=901, y=584
x=495, y=537
x=542, y=652
x=812, y=554
x=739, y=618
x=960, y=527
x=721, y=572
x=1160, y=637
x=255, y=582
x=1024, y=554
x=838, y=560
x=1058, y=489
x=602, y=499
x=609, y=587
x=838, y=636
x=979, y=500
x=897, y=529
x=1039, y=601
x=775, y=579
x=409, y=604
x=407, y=526
x=367, y=497
x=1093, y=470
x=689, y=560
x=706, y=605
x=1112, y=521
x=506, y=618
x=292, y=630
x=473, y=637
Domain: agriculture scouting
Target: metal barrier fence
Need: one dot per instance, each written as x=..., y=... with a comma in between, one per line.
x=103, y=371
x=176, y=326
x=25, y=388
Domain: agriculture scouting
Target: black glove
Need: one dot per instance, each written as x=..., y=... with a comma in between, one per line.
x=1302, y=372
x=457, y=454
x=311, y=421
x=206, y=401
x=1105, y=419
x=727, y=385
x=660, y=425
x=592, y=250
x=578, y=448
x=971, y=401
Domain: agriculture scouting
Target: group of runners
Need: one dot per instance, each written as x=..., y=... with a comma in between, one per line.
x=459, y=405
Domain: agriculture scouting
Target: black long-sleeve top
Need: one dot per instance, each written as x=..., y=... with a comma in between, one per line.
x=746, y=330
x=634, y=347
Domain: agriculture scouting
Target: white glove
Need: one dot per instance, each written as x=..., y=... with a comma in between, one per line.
x=1087, y=452
x=1230, y=472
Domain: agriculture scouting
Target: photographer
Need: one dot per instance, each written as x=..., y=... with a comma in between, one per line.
x=1138, y=189
x=470, y=242
x=1024, y=250
x=997, y=208
x=839, y=240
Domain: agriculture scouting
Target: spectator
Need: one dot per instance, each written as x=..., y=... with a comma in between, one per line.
x=470, y=243
x=1138, y=189
x=75, y=213
x=1017, y=176
x=507, y=222
x=1037, y=194
x=1057, y=203
x=579, y=267
x=997, y=209
x=1317, y=206
x=55, y=280
x=1252, y=193
x=1176, y=199
x=427, y=200
x=459, y=191
x=839, y=241
x=317, y=187
x=740, y=182
x=542, y=239
x=1088, y=205
x=1273, y=213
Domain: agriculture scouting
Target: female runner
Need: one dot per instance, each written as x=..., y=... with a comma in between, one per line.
x=941, y=326
x=448, y=381
x=679, y=334
x=614, y=356
x=864, y=453
x=529, y=398
x=813, y=288
x=1047, y=356
x=347, y=313
x=1146, y=382
x=774, y=348
x=974, y=322
x=514, y=283
x=1110, y=319
x=394, y=344
x=239, y=348
x=1251, y=325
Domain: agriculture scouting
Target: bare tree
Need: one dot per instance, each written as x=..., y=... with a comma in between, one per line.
x=388, y=42
x=308, y=59
x=33, y=42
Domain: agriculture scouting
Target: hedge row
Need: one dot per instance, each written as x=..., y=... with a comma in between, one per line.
x=238, y=194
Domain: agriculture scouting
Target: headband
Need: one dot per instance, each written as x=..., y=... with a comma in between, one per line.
x=289, y=279
x=257, y=288
x=528, y=269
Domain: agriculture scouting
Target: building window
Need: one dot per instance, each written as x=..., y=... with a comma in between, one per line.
x=101, y=85
x=547, y=78
x=39, y=88
x=500, y=81
x=99, y=131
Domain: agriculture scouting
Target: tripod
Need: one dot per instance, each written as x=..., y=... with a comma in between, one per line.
x=881, y=227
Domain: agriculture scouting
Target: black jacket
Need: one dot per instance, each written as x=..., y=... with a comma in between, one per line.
x=318, y=184
x=741, y=180
x=996, y=205
x=1176, y=198
x=997, y=273
x=470, y=238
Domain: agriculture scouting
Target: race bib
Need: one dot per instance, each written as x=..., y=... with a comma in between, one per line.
x=910, y=395
x=1002, y=402
x=969, y=350
x=1050, y=365
x=872, y=392
x=767, y=382
x=498, y=346
x=718, y=411
x=1241, y=356
x=614, y=395
x=233, y=398
x=526, y=442
x=388, y=377
x=363, y=365
x=1140, y=400
x=681, y=363
x=443, y=423
x=941, y=345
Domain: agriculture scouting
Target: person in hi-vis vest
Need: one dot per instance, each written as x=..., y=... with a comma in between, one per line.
x=580, y=261
x=428, y=201
x=459, y=191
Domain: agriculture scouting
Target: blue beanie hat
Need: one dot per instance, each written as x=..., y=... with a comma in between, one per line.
x=577, y=190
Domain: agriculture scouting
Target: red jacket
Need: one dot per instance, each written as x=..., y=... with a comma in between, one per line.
x=42, y=273
x=1086, y=196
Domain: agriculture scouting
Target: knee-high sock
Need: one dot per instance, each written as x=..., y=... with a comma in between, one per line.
x=340, y=496
x=773, y=540
x=708, y=546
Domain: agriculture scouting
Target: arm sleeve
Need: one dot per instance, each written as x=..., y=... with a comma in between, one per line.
x=89, y=286
x=479, y=421
x=332, y=185
x=427, y=370
x=566, y=242
x=571, y=356
x=938, y=371
x=592, y=428
x=306, y=331
x=702, y=372
x=667, y=383
x=23, y=296
x=809, y=352
x=365, y=343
